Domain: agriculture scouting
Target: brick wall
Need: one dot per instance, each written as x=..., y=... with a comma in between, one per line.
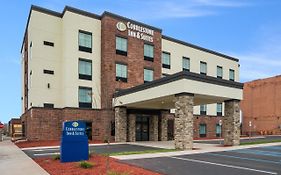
x=261, y=105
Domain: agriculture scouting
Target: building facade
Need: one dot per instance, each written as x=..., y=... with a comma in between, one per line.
x=81, y=66
x=261, y=107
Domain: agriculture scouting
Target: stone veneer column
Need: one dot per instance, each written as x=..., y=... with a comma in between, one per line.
x=132, y=128
x=153, y=128
x=120, y=124
x=184, y=121
x=231, y=123
x=164, y=126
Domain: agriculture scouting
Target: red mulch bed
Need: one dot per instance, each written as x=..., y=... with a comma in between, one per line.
x=28, y=144
x=55, y=167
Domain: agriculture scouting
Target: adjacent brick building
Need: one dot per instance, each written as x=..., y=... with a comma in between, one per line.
x=104, y=70
x=261, y=106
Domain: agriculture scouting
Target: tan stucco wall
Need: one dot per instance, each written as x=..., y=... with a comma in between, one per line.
x=62, y=58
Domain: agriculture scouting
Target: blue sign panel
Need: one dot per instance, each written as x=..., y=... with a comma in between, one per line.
x=74, y=142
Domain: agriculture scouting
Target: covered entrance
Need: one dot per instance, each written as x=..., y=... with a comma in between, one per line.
x=181, y=91
x=142, y=128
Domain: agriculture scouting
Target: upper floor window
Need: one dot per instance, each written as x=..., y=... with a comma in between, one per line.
x=48, y=43
x=166, y=60
x=219, y=109
x=45, y=71
x=148, y=52
x=231, y=75
x=121, y=72
x=185, y=64
x=203, y=109
x=147, y=75
x=203, y=68
x=219, y=72
x=85, y=69
x=121, y=46
x=85, y=97
x=48, y=105
x=85, y=41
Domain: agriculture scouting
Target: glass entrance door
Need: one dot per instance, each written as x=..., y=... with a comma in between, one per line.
x=142, y=128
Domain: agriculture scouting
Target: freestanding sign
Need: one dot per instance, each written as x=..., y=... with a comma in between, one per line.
x=74, y=142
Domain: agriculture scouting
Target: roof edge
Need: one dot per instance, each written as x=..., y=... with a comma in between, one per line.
x=178, y=76
x=199, y=48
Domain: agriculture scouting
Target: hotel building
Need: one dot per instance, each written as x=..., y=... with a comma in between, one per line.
x=126, y=79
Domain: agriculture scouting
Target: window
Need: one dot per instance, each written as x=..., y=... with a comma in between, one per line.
x=166, y=60
x=185, y=64
x=121, y=46
x=48, y=71
x=148, y=52
x=85, y=41
x=219, y=72
x=218, y=130
x=202, y=130
x=219, y=109
x=121, y=72
x=85, y=97
x=203, y=109
x=47, y=43
x=147, y=75
x=85, y=69
x=203, y=68
x=48, y=105
x=231, y=75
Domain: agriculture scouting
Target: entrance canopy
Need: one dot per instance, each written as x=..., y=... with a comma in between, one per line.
x=159, y=94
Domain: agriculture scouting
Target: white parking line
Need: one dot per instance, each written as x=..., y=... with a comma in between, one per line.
x=45, y=154
x=224, y=165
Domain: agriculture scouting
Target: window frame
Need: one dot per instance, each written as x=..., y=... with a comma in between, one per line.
x=84, y=48
x=84, y=76
x=203, y=63
x=219, y=113
x=84, y=104
x=118, y=51
x=205, y=130
x=148, y=69
x=166, y=66
x=203, y=112
x=231, y=70
x=119, y=78
x=186, y=69
x=148, y=58
x=220, y=67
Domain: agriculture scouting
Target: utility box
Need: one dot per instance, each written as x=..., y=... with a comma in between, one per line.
x=74, y=142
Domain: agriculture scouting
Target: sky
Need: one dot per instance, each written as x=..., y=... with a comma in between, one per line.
x=247, y=29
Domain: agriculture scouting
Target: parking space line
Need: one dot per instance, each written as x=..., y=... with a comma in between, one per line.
x=225, y=165
x=45, y=154
x=258, y=152
x=272, y=147
x=244, y=158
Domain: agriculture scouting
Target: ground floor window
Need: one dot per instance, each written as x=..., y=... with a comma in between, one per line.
x=202, y=130
x=218, y=130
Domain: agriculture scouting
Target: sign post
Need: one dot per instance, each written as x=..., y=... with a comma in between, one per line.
x=220, y=123
x=250, y=125
x=1, y=128
x=74, y=142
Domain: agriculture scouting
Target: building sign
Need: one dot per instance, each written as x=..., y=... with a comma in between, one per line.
x=136, y=31
x=74, y=142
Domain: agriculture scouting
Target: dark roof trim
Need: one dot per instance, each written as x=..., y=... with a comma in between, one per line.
x=199, y=48
x=128, y=19
x=178, y=76
x=81, y=12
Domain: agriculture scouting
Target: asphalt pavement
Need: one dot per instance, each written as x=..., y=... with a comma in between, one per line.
x=253, y=161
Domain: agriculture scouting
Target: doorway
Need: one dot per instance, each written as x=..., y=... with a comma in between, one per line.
x=142, y=128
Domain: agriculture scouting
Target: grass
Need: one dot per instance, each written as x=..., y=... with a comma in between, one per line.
x=56, y=157
x=260, y=142
x=142, y=152
x=85, y=164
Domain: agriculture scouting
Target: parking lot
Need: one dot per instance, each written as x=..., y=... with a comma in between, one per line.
x=253, y=161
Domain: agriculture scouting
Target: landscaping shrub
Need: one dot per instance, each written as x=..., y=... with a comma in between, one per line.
x=85, y=164
x=117, y=173
x=56, y=157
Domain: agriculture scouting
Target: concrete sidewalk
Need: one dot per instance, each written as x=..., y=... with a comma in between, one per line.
x=14, y=162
